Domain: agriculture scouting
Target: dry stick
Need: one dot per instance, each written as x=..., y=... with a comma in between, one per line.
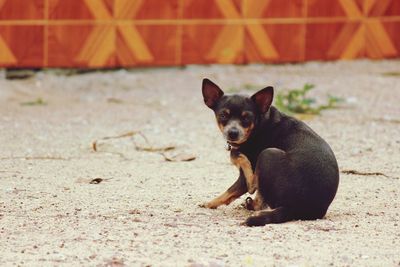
x=387, y=120
x=149, y=148
x=37, y=158
x=154, y=149
x=174, y=158
x=128, y=134
x=364, y=173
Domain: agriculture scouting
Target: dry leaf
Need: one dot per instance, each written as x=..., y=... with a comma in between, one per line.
x=96, y=181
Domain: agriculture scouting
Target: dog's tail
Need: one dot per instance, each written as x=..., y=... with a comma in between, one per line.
x=263, y=217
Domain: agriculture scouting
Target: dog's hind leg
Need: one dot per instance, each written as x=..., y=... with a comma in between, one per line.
x=263, y=217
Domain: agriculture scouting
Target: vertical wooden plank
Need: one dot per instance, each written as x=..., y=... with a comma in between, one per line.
x=379, y=42
x=324, y=8
x=273, y=9
x=331, y=41
x=393, y=31
x=21, y=46
x=210, y=9
x=83, y=45
x=204, y=44
x=285, y=44
x=141, y=45
x=80, y=10
x=146, y=9
x=21, y=9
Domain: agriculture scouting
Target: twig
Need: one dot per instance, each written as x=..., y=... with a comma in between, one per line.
x=150, y=148
x=37, y=158
x=389, y=120
x=128, y=134
x=147, y=148
x=154, y=149
x=178, y=157
x=355, y=172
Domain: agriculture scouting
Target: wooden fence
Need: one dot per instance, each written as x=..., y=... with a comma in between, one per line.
x=121, y=33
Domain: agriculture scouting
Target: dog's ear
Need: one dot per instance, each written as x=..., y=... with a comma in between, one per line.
x=263, y=98
x=211, y=93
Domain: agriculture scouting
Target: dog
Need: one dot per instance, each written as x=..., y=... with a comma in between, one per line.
x=292, y=169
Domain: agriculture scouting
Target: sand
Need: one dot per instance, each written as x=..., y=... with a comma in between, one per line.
x=145, y=211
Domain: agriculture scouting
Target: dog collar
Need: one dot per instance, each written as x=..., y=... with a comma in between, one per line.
x=230, y=146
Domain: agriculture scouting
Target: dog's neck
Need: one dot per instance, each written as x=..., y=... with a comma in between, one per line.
x=232, y=146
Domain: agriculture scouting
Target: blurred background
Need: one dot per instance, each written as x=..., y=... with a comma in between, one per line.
x=128, y=33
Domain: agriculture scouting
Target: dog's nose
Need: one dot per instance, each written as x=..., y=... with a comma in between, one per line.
x=233, y=134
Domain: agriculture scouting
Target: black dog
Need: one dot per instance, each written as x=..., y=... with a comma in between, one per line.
x=293, y=170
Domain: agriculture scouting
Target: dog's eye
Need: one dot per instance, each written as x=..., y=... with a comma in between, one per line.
x=246, y=118
x=223, y=116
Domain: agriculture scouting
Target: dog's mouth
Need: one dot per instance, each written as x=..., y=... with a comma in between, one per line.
x=235, y=134
x=235, y=142
x=240, y=139
x=235, y=139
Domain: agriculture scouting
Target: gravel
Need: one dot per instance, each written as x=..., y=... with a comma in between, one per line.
x=144, y=211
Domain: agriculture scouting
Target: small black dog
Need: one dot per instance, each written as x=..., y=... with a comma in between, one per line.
x=293, y=170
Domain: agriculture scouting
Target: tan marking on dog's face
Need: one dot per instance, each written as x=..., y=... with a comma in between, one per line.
x=247, y=132
x=221, y=127
x=222, y=118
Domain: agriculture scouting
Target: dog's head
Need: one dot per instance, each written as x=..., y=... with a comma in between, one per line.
x=236, y=115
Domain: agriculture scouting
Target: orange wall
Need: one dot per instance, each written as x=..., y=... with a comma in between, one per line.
x=112, y=33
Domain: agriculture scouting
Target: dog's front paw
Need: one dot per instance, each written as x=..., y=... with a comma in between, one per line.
x=207, y=205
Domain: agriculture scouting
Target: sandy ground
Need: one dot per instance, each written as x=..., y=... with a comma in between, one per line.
x=145, y=212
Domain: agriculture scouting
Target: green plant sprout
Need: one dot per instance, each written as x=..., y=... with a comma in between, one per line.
x=37, y=102
x=297, y=101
